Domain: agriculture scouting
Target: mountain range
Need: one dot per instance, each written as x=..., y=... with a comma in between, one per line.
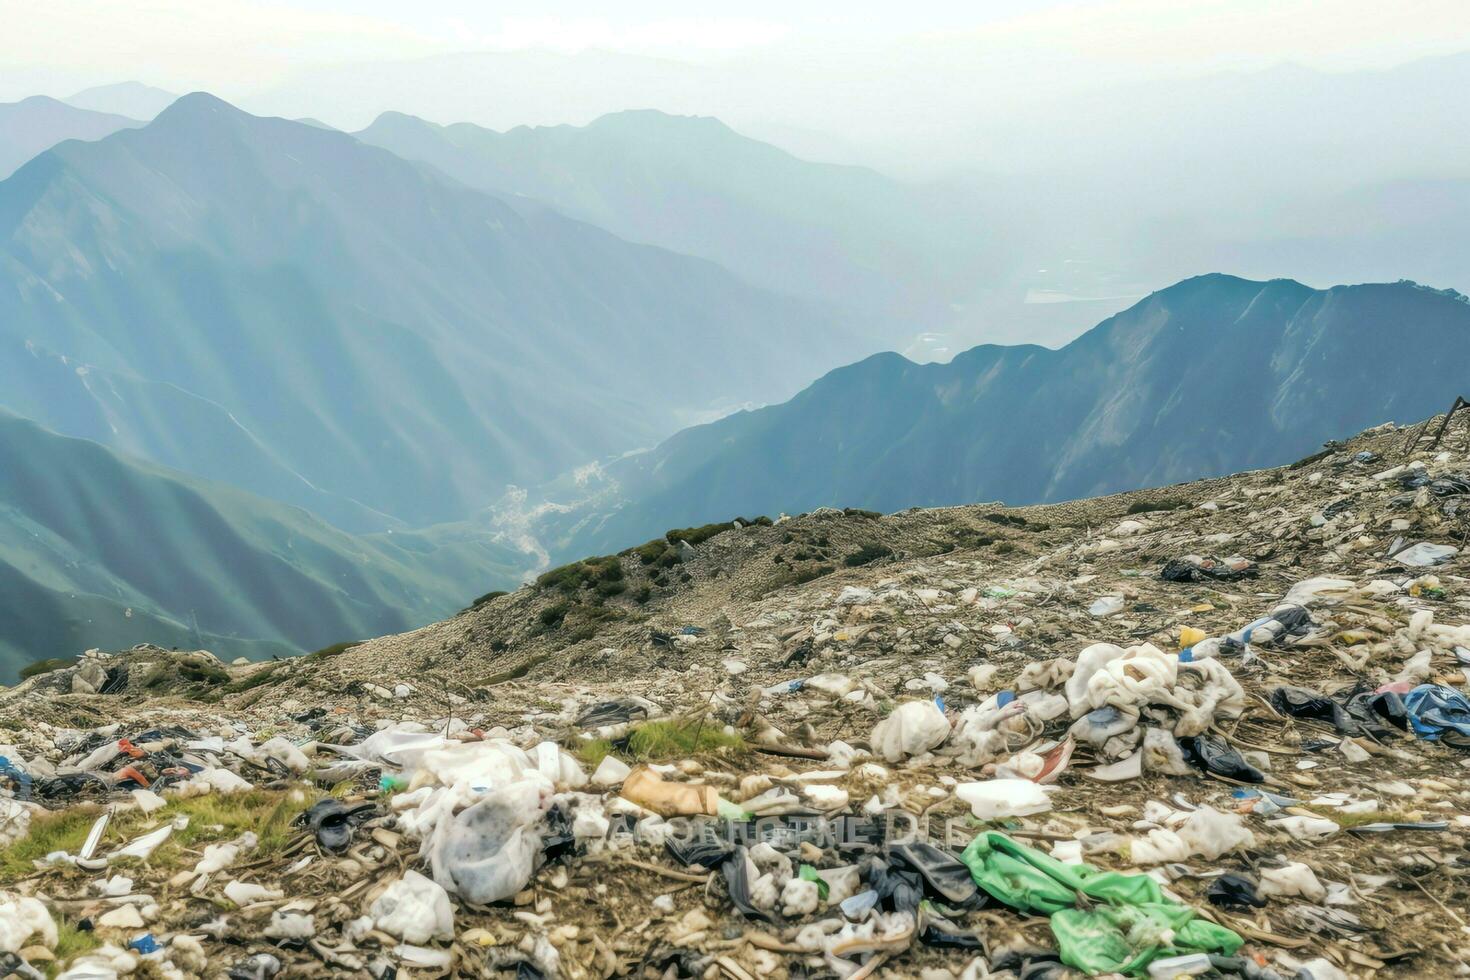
x=847, y=236
x=100, y=550
x=132, y=99
x=1211, y=376
x=289, y=310
x=266, y=386
x=36, y=124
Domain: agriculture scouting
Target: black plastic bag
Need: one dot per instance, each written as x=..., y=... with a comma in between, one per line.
x=898, y=890
x=334, y=824
x=1213, y=754
x=1232, y=891
x=736, y=870
x=1299, y=702
x=944, y=875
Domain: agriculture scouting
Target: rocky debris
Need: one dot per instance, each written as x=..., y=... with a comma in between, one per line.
x=940, y=759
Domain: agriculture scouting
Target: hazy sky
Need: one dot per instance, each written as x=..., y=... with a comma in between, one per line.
x=237, y=46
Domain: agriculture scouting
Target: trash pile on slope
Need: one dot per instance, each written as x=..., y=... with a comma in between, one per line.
x=1085, y=756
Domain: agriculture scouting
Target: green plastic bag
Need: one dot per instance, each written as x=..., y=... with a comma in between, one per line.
x=1133, y=924
x=1127, y=938
x=808, y=873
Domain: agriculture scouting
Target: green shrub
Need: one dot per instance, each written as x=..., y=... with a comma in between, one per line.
x=697, y=535
x=701, y=534
x=572, y=578
x=486, y=598
x=650, y=551
x=552, y=616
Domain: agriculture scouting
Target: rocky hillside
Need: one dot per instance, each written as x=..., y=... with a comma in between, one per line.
x=1222, y=719
x=1211, y=376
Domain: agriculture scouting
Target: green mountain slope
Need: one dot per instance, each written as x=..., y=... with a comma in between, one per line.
x=316, y=320
x=1211, y=376
x=100, y=550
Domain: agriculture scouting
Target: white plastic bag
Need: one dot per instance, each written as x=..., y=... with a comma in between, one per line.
x=998, y=798
x=414, y=909
x=487, y=852
x=912, y=729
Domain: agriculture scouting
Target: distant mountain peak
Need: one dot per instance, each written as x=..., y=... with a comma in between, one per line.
x=197, y=104
x=132, y=99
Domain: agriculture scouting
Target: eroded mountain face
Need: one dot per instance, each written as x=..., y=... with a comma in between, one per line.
x=1246, y=688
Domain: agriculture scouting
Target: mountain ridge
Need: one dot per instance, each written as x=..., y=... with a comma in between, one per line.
x=401, y=342
x=1164, y=392
x=35, y=124
x=842, y=234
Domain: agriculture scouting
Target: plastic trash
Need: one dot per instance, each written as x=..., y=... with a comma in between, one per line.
x=1298, y=702
x=243, y=893
x=1170, y=967
x=21, y=918
x=936, y=930
x=1292, y=881
x=1435, y=710
x=1129, y=767
x=996, y=799
x=1233, y=891
x=1089, y=662
x=1129, y=922
x=15, y=778
x=899, y=889
x=425, y=958
x=651, y=791
x=261, y=966
x=1213, y=754
x=1097, y=728
x=334, y=824
x=611, y=771
x=414, y=909
x=913, y=728
x=740, y=875
x=1200, y=568
x=1161, y=753
x=1108, y=605
x=1211, y=834
x=143, y=847
x=707, y=850
x=944, y=875
x=1425, y=554
x=487, y=852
